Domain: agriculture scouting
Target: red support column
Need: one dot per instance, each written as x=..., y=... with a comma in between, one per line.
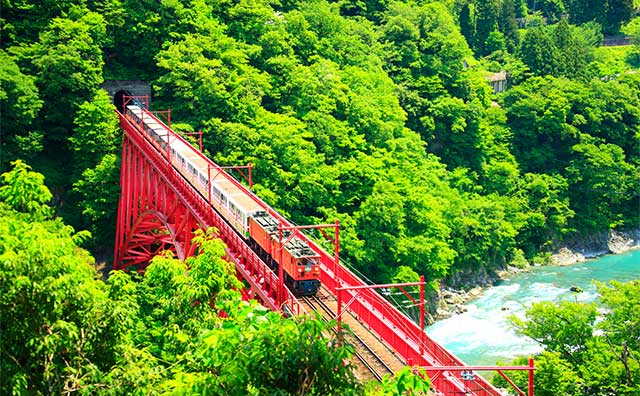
x=339, y=315
x=280, y=270
x=421, y=315
x=336, y=254
x=531, y=387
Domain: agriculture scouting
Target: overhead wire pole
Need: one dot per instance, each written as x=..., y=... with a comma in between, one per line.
x=163, y=112
x=466, y=372
x=401, y=286
x=199, y=133
x=248, y=177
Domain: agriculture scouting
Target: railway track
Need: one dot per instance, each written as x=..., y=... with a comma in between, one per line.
x=374, y=365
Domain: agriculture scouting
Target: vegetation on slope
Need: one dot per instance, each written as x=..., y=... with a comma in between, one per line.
x=370, y=114
x=179, y=329
x=374, y=113
x=589, y=349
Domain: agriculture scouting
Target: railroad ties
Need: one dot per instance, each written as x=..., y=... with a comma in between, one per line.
x=372, y=358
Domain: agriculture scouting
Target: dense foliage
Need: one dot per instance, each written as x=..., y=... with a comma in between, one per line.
x=375, y=114
x=179, y=329
x=589, y=349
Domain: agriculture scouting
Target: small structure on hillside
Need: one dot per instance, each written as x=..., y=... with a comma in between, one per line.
x=499, y=81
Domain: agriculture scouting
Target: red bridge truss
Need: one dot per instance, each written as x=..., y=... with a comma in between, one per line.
x=159, y=210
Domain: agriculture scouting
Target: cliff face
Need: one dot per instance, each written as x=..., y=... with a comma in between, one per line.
x=582, y=248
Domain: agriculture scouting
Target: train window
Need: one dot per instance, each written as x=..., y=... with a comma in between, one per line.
x=190, y=167
x=203, y=179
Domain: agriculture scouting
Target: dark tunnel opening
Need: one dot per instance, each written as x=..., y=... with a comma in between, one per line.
x=118, y=99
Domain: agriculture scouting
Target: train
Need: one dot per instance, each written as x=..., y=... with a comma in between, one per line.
x=247, y=216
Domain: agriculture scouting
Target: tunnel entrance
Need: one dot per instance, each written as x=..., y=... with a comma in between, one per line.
x=118, y=89
x=118, y=99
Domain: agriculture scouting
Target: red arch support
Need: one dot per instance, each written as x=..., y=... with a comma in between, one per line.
x=152, y=215
x=159, y=210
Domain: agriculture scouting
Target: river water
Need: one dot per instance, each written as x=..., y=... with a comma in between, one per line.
x=482, y=335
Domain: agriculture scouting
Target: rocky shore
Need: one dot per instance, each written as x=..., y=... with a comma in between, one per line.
x=580, y=249
x=451, y=300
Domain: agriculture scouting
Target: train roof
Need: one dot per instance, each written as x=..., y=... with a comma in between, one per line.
x=240, y=198
x=296, y=246
x=219, y=178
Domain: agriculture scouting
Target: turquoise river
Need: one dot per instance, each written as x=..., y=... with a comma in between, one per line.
x=482, y=335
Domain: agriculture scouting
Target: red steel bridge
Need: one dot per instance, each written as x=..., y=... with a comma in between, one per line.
x=159, y=209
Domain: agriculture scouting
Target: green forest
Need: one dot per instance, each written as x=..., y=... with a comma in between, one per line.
x=376, y=113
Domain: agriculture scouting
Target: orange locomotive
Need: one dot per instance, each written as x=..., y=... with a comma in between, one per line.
x=299, y=262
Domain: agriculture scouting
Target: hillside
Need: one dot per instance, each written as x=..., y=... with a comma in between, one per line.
x=378, y=114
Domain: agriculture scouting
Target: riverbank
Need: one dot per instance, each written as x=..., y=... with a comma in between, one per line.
x=483, y=335
x=580, y=249
x=451, y=300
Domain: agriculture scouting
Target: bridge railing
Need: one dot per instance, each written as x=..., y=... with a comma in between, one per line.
x=262, y=281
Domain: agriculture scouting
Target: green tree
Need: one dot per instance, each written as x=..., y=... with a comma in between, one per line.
x=96, y=132
x=552, y=9
x=24, y=191
x=539, y=52
x=68, y=63
x=97, y=192
x=487, y=17
x=633, y=29
x=20, y=105
x=269, y=364
x=537, y=112
x=92, y=203
x=23, y=20
x=408, y=381
x=590, y=350
x=565, y=328
x=549, y=219
x=521, y=8
x=593, y=194
x=618, y=328
x=508, y=24
x=560, y=50
x=68, y=333
x=483, y=231
x=208, y=75
x=467, y=25
x=553, y=376
x=572, y=57
x=619, y=12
